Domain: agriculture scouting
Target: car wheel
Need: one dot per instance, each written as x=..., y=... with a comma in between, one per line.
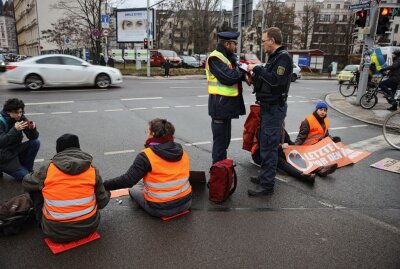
x=34, y=82
x=294, y=77
x=103, y=81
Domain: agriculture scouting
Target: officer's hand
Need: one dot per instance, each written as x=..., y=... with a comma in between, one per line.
x=250, y=67
x=248, y=79
x=20, y=125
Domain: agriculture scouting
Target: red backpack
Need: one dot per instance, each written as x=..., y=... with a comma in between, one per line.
x=222, y=177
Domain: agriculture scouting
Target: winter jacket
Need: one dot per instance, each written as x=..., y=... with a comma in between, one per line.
x=305, y=130
x=169, y=151
x=226, y=107
x=11, y=141
x=72, y=161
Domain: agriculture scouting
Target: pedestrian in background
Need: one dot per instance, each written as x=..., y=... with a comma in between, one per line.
x=166, y=65
x=159, y=176
x=110, y=61
x=225, y=100
x=330, y=68
x=67, y=192
x=17, y=157
x=271, y=85
x=102, y=60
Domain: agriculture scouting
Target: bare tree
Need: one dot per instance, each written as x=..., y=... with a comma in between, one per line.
x=309, y=18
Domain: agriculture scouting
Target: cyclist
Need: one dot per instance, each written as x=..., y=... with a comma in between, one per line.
x=392, y=81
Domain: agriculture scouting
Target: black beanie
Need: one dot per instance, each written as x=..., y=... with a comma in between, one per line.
x=67, y=141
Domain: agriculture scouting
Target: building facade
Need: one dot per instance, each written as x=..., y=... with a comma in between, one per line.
x=8, y=38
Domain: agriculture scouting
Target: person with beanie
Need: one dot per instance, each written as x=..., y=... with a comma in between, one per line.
x=67, y=192
x=315, y=128
x=17, y=157
x=159, y=176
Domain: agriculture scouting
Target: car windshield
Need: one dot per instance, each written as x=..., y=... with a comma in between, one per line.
x=2, y=57
x=250, y=57
x=350, y=68
x=168, y=53
x=189, y=58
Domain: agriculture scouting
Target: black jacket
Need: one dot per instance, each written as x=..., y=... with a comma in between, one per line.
x=224, y=107
x=273, y=79
x=394, y=71
x=11, y=141
x=169, y=151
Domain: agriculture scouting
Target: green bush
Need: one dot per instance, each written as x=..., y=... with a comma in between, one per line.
x=130, y=69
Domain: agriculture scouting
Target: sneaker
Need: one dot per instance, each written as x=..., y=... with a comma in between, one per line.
x=255, y=180
x=260, y=191
x=323, y=171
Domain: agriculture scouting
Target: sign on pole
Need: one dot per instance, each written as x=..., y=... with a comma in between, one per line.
x=67, y=41
x=105, y=21
x=105, y=32
x=360, y=6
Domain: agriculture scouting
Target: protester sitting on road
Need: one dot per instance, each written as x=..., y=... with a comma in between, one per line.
x=17, y=157
x=315, y=128
x=159, y=174
x=389, y=86
x=67, y=192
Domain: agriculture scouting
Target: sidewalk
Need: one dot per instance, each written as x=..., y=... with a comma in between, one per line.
x=347, y=106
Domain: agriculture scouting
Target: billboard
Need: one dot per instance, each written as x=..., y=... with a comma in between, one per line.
x=131, y=24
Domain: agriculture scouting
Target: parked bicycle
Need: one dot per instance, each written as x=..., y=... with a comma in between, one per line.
x=391, y=128
x=370, y=98
x=348, y=88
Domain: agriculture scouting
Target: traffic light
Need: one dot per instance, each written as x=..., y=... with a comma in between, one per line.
x=145, y=43
x=361, y=18
x=384, y=20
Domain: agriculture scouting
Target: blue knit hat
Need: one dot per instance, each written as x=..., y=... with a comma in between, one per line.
x=321, y=104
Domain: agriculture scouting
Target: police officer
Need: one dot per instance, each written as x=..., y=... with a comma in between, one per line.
x=225, y=100
x=271, y=85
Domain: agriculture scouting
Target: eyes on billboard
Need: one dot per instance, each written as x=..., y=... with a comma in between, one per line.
x=131, y=25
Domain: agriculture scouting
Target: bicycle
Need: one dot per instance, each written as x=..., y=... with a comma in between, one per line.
x=391, y=129
x=370, y=98
x=348, y=88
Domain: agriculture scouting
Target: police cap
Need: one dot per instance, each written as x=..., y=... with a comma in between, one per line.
x=228, y=36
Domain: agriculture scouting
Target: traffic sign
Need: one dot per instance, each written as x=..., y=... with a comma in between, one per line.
x=105, y=21
x=360, y=6
x=105, y=32
x=67, y=41
x=95, y=33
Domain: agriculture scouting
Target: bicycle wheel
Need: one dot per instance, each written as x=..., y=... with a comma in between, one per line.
x=347, y=88
x=368, y=101
x=391, y=129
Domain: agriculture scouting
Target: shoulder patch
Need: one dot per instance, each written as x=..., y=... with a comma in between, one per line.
x=281, y=70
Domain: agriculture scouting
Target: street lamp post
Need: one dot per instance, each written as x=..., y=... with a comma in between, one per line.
x=148, y=37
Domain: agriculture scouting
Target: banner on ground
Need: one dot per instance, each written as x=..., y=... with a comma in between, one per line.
x=325, y=152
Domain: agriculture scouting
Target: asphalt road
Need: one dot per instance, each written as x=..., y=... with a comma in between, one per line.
x=350, y=219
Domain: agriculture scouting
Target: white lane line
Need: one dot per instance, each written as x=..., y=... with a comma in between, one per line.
x=87, y=111
x=181, y=106
x=202, y=96
x=38, y=160
x=237, y=139
x=119, y=152
x=61, y=112
x=290, y=102
x=303, y=101
x=202, y=105
x=338, y=128
x=358, y=126
x=33, y=114
x=113, y=110
x=160, y=107
x=141, y=98
x=138, y=108
x=198, y=143
x=292, y=133
x=372, y=144
x=49, y=103
x=46, y=91
x=187, y=87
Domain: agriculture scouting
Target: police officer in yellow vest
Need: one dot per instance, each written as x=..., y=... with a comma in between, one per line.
x=225, y=100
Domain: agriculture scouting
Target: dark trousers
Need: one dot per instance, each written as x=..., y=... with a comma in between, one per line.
x=221, y=130
x=166, y=72
x=288, y=168
x=385, y=85
x=37, y=199
x=26, y=157
x=272, y=119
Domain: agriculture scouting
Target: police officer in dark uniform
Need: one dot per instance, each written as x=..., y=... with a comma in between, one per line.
x=271, y=85
x=225, y=100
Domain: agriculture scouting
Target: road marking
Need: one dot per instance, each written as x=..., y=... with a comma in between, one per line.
x=49, y=103
x=292, y=133
x=372, y=144
x=338, y=128
x=87, y=111
x=198, y=143
x=141, y=98
x=46, y=91
x=61, y=112
x=202, y=96
x=38, y=160
x=33, y=114
x=113, y=110
x=202, y=105
x=119, y=152
x=181, y=106
x=138, y=108
x=237, y=139
x=303, y=101
x=160, y=107
x=358, y=126
x=187, y=87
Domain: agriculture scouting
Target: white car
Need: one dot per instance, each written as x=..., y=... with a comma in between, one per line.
x=296, y=72
x=60, y=70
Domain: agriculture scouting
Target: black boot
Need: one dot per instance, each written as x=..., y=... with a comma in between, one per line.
x=323, y=171
x=255, y=180
x=260, y=190
x=309, y=178
x=393, y=107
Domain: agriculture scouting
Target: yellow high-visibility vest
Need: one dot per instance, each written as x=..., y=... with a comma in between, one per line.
x=214, y=86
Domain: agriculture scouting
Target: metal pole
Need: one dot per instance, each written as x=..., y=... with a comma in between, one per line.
x=262, y=29
x=239, y=45
x=148, y=37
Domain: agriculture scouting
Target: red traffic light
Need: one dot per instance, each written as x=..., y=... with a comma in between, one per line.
x=361, y=14
x=145, y=43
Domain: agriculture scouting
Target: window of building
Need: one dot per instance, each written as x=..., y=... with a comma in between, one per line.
x=321, y=28
x=336, y=17
x=328, y=6
x=396, y=28
x=181, y=24
x=337, y=6
x=327, y=17
x=345, y=6
x=344, y=17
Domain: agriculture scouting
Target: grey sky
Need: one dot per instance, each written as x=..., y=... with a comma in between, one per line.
x=226, y=4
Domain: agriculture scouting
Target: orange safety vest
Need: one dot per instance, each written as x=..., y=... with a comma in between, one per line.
x=167, y=181
x=316, y=132
x=69, y=197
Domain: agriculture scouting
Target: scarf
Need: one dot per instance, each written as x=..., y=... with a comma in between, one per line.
x=152, y=141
